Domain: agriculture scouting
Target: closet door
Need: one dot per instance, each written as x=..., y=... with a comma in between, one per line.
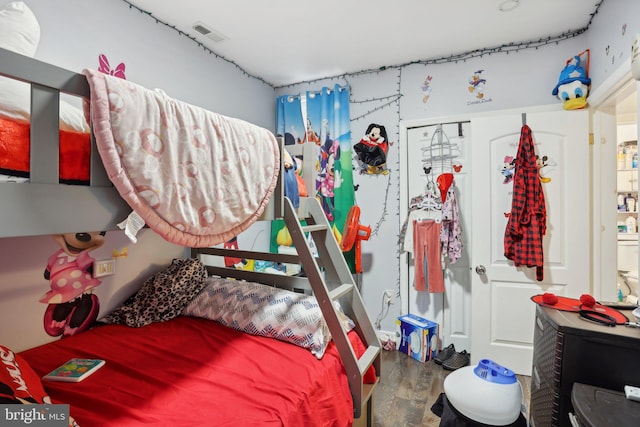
x=503, y=314
x=425, y=148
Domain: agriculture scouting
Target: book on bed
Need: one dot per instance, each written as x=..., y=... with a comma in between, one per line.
x=75, y=370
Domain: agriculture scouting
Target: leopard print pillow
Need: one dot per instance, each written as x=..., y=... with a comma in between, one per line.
x=163, y=296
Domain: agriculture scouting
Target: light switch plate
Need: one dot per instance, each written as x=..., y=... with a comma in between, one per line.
x=104, y=267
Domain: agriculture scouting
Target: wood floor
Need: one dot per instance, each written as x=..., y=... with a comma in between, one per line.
x=408, y=388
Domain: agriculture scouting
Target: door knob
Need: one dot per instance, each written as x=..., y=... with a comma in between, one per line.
x=481, y=270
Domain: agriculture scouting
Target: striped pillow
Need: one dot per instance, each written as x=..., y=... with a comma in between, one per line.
x=263, y=310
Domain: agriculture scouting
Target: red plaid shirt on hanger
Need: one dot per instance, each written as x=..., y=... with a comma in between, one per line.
x=528, y=219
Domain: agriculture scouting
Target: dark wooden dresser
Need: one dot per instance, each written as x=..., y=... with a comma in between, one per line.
x=568, y=349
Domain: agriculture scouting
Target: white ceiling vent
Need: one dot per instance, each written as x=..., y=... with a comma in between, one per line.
x=209, y=32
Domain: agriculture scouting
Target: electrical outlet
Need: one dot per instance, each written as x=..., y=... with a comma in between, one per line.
x=104, y=267
x=390, y=296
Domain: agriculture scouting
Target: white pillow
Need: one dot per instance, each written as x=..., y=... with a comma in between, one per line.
x=15, y=104
x=72, y=118
x=266, y=311
x=20, y=33
x=19, y=29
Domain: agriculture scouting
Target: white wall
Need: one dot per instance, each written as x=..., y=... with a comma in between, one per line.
x=75, y=32
x=609, y=39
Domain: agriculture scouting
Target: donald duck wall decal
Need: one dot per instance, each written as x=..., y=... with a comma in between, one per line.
x=573, y=84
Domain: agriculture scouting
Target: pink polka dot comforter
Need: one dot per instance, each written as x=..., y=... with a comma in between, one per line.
x=197, y=178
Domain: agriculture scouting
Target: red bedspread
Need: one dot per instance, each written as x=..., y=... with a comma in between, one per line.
x=75, y=152
x=196, y=372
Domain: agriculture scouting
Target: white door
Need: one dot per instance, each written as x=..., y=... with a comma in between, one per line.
x=444, y=147
x=503, y=315
x=605, y=216
x=615, y=120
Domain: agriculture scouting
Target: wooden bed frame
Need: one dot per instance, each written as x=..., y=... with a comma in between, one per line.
x=26, y=207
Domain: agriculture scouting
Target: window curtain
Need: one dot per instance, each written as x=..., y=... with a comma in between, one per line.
x=321, y=117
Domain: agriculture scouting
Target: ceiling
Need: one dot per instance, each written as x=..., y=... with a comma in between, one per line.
x=291, y=41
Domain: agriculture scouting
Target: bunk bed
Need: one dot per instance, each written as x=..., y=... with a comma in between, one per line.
x=187, y=369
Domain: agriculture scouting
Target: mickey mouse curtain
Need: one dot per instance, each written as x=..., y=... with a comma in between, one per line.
x=321, y=117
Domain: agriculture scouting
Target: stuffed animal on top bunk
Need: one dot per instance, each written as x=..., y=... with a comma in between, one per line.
x=72, y=305
x=372, y=150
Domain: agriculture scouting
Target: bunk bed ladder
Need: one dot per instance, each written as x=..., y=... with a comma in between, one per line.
x=331, y=282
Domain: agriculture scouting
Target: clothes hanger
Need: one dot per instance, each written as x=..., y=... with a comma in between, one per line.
x=430, y=199
x=430, y=204
x=438, y=151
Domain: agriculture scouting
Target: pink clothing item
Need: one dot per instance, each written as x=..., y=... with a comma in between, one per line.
x=451, y=233
x=426, y=243
x=69, y=277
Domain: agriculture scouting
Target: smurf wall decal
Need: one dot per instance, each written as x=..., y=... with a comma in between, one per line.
x=573, y=85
